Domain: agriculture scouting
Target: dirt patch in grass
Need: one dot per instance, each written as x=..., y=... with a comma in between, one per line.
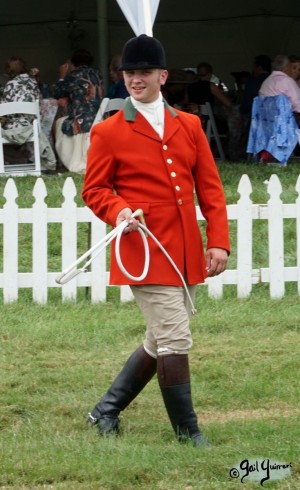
x=281, y=410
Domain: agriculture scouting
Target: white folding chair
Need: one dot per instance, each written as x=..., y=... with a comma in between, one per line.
x=20, y=169
x=211, y=128
x=108, y=105
x=100, y=114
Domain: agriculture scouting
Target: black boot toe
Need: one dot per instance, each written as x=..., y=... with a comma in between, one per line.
x=108, y=426
x=200, y=441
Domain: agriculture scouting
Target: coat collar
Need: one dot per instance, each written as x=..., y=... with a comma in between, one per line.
x=141, y=124
x=130, y=111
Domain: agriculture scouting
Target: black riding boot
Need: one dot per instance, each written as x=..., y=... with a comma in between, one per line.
x=136, y=373
x=174, y=381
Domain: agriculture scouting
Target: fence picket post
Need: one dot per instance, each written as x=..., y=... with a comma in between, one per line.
x=39, y=243
x=298, y=232
x=215, y=287
x=126, y=294
x=276, y=242
x=98, y=266
x=10, y=243
x=69, y=215
x=244, y=238
x=69, y=236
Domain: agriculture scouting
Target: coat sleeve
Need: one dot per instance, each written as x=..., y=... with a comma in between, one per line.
x=98, y=190
x=210, y=194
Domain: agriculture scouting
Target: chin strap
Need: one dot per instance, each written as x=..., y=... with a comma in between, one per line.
x=72, y=271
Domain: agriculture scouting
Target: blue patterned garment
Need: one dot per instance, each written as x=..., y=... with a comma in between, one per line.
x=273, y=127
x=82, y=86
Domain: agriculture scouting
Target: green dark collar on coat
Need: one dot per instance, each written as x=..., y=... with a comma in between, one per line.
x=130, y=111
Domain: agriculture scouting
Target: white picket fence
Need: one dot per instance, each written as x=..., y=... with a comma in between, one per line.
x=39, y=216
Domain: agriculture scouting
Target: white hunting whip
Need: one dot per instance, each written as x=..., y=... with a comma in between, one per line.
x=72, y=271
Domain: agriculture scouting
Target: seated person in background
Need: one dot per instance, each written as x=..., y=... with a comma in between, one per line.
x=261, y=70
x=240, y=80
x=44, y=87
x=236, y=131
x=280, y=82
x=175, y=88
x=239, y=120
x=205, y=70
x=117, y=89
x=22, y=87
x=82, y=85
x=63, y=103
x=294, y=68
x=203, y=90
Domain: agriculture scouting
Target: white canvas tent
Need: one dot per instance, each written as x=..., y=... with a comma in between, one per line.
x=226, y=34
x=140, y=14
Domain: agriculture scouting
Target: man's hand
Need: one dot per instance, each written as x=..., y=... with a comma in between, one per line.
x=216, y=261
x=126, y=214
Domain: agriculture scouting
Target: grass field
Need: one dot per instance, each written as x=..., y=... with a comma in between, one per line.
x=56, y=360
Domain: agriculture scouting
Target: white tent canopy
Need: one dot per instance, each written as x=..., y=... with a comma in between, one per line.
x=140, y=14
x=226, y=34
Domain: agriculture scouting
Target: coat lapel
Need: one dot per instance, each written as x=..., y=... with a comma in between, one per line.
x=141, y=125
x=171, y=124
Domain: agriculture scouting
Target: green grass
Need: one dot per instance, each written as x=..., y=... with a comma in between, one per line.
x=57, y=360
x=230, y=174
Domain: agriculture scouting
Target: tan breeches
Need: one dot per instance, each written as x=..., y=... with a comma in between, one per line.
x=166, y=310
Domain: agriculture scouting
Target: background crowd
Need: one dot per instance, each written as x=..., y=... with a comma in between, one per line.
x=70, y=105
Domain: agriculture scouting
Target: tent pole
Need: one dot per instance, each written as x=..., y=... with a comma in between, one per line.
x=102, y=25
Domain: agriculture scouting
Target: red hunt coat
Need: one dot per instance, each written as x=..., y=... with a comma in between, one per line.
x=130, y=166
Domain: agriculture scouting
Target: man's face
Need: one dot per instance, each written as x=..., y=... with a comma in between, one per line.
x=144, y=85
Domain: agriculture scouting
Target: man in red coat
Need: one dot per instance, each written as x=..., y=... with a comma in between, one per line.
x=154, y=157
